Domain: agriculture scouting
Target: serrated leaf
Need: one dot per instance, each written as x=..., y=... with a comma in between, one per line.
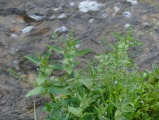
x=68, y=68
x=36, y=91
x=86, y=82
x=40, y=79
x=58, y=90
x=56, y=67
x=118, y=36
x=82, y=52
x=56, y=49
x=75, y=111
x=33, y=59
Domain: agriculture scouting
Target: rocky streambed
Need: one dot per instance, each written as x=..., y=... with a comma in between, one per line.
x=26, y=26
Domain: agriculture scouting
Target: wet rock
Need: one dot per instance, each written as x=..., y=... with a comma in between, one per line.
x=11, y=11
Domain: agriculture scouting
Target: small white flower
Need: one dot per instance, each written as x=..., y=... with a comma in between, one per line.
x=135, y=86
x=116, y=82
x=77, y=46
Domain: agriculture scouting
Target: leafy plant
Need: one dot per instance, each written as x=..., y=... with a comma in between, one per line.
x=108, y=88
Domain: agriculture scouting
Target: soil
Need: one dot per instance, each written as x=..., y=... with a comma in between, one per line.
x=90, y=26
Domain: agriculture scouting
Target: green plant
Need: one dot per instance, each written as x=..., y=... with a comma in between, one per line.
x=108, y=88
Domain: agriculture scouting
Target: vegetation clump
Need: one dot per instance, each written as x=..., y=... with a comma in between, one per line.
x=110, y=87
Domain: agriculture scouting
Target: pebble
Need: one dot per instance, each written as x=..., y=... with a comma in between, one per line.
x=86, y=6
x=13, y=35
x=91, y=20
x=56, y=9
x=61, y=29
x=52, y=17
x=104, y=16
x=127, y=25
x=116, y=8
x=72, y=4
x=132, y=1
x=36, y=17
x=62, y=16
x=77, y=46
x=27, y=29
x=126, y=14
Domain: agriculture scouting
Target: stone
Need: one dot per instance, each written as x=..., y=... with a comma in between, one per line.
x=126, y=14
x=27, y=29
x=62, y=16
x=37, y=17
x=62, y=29
x=13, y=35
x=132, y=1
x=86, y=6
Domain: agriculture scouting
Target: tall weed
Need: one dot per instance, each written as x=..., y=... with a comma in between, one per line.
x=109, y=88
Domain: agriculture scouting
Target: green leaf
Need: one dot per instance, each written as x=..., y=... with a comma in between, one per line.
x=82, y=52
x=68, y=68
x=54, y=34
x=75, y=111
x=86, y=82
x=56, y=67
x=58, y=90
x=36, y=91
x=40, y=79
x=33, y=59
x=118, y=36
x=56, y=49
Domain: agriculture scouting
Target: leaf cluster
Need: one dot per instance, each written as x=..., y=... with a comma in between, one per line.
x=109, y=88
